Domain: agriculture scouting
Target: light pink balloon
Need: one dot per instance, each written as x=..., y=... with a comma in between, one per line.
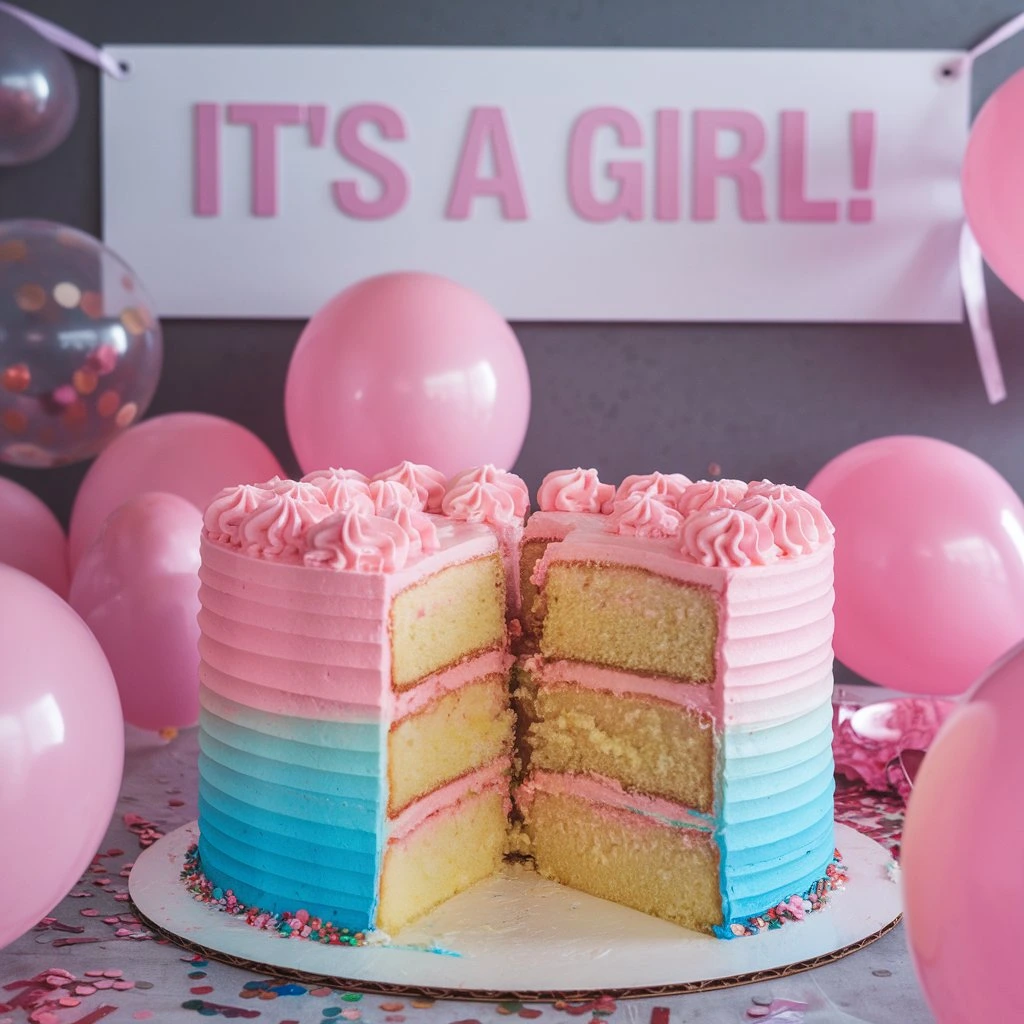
x=137, y=588
x=189, y=454
x=929, y=575
x=963, y=847
x=407, y=366
x=61, y=747
x=991, y=181
x=31, y=539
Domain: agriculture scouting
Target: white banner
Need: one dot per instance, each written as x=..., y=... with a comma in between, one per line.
x=581, y=184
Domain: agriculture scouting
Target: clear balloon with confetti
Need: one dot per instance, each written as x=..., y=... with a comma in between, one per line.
x=80, y=346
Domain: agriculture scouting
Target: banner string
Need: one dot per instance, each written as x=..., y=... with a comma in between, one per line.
x=67, y=41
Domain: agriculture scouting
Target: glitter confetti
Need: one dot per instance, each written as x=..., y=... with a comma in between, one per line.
x=30, y=298
x=67, y=294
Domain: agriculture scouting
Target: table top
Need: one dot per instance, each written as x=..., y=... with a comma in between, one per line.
x=91, y=960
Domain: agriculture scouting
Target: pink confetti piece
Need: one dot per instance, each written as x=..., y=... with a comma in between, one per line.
x=142, y=1015
x=122, y=932
x=111, y=920
x=123, y=986
x=104, y=984
x=85, y=990
x=115, y=852
x=102, y=881
x=121, y=897
x=69, y=1001
x=94, y=974
x=113, y=973
x=89, y=912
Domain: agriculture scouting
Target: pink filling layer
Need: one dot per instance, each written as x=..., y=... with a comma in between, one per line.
x=493, y=776
x=490, y=663
x=695, y=696
x=599, y=789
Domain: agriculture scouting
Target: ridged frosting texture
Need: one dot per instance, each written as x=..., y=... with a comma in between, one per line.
x=775, y=795
x=575, y=490
x=357, y=542
x=709, y=494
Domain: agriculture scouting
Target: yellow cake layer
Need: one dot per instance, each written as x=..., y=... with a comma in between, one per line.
x=447, y=854
x=624, y=617
x=443, y=619
x=670, y=873
x=530, y=554
x=647, y=745
x=465, y=729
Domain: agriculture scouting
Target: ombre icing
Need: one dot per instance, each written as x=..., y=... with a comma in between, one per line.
x=575, y=490
x=425, y=482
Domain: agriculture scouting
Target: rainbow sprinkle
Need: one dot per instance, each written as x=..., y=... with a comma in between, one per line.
x=297, y=925
x=796, y=908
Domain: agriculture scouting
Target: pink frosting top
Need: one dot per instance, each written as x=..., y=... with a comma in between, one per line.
x=575, y=490
x=727, y=538
x=501, y=479
x=644, y=515
x=277, y=527
x=228, y=509
x=705, y=494
x=666, y=486
x=427, y=483
x=419, y=527
x=386, y=493
x=798, y=526
x=357, y=542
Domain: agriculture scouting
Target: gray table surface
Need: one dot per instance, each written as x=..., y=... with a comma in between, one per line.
x=876, y=984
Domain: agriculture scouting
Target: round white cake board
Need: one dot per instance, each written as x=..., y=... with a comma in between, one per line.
x=518, y=935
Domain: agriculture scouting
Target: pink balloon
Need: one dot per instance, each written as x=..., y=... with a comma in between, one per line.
x=137, y=588
x=62, y=747
x=991, y=181
x=407, y=366
x=963, y=847
x=189, y=454
x=31, y=539
x=929, y=575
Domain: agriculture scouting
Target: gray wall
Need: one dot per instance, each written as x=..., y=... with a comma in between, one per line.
x=777, y=400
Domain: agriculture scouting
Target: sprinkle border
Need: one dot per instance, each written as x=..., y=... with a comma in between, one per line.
x=289, y=925
x=300, y=925
x=795, y=908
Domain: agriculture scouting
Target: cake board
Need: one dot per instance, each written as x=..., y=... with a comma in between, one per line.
x=520, y=936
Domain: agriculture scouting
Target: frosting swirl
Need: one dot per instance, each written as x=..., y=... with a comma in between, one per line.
x=667, y=487
x=644, y=515
x=385, y=493
x=727, y=538
x=319, y=475
x=228, y=509
x=300, y=490
x=787, y=492
x=493, y=477
x=475, y=501
x=419, y=528
x=705, y=494
x=356, y=542
x=575, y=490
x=347, y=494
x=797, y=526
x=277, y=527
x=425, y=482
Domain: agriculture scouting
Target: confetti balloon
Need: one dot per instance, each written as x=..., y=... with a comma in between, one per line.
x=61, y=748
x=38, y=93
x=963, y=847
x=80, y=347
x=407, y=366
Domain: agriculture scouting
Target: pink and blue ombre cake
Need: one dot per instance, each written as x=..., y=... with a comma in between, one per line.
x=666, y=646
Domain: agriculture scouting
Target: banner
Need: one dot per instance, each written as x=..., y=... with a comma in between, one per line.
x=562, y=184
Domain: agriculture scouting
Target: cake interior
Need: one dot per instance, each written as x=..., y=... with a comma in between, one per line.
x=624, y=617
